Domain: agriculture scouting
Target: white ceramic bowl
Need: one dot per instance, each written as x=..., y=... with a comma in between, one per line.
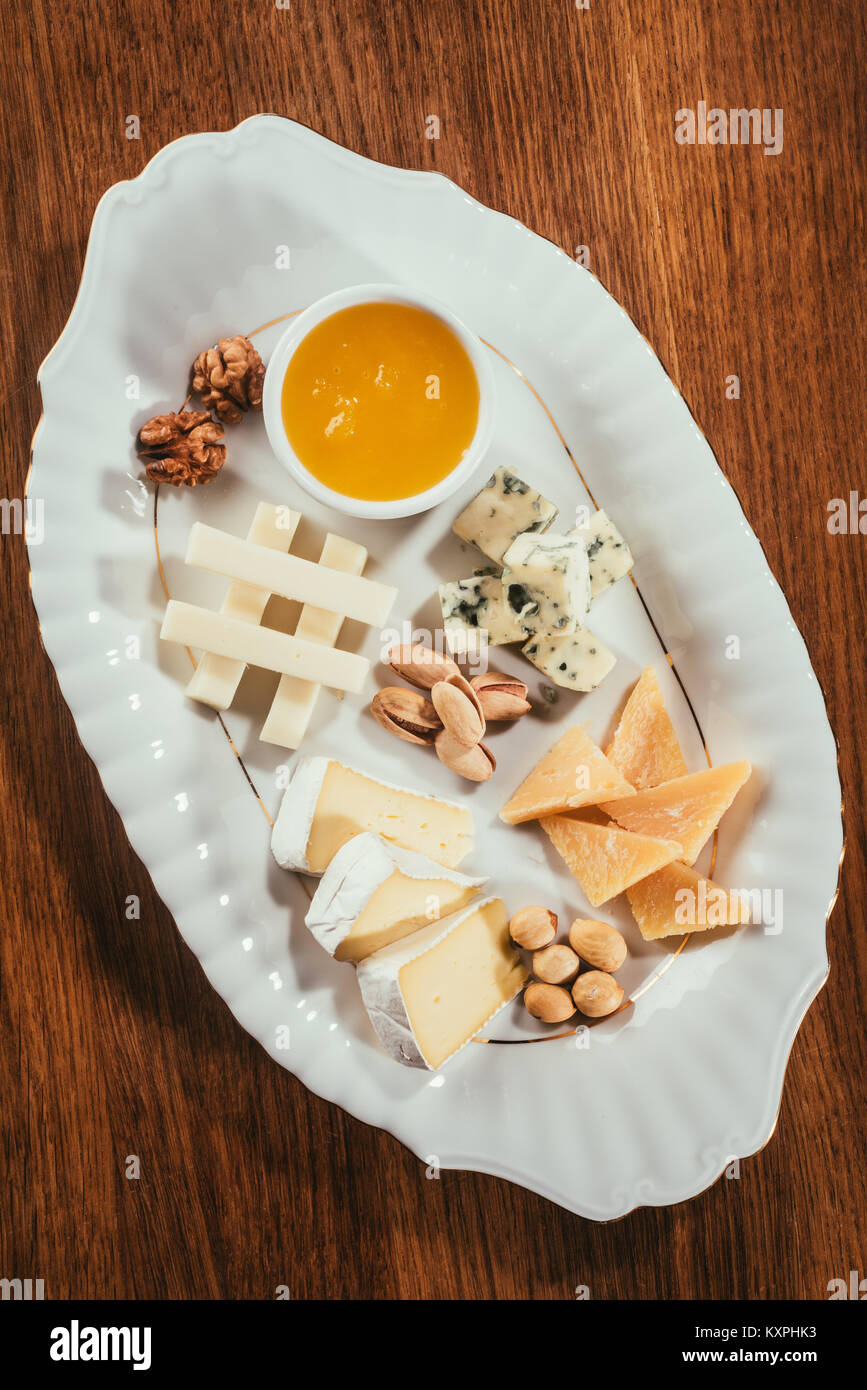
x=276, y=371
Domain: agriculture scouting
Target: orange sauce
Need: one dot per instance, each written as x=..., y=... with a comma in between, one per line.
x=380, y=401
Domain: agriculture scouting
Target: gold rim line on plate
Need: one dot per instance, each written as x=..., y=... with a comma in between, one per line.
x=665, y=965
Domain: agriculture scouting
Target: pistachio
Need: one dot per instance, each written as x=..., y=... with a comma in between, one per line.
x=502, y=704
x=476, y=763
x=405, y=713
x=501, y=697
x=457, y=705
x=597, y=994
x=421, y=665
x=550, y=1003
x=600, y=944
x=533, y=927
x=493, y=683
x=556, y=965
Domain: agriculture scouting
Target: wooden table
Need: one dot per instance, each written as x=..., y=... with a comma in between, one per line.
x=732, y=263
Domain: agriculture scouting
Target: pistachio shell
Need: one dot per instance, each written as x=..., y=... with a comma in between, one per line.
x=404, y=713
x=502, y=704
x=458, y=707
x=421, y=665
x=501, y=697
x=498, y=681
x=476, y=764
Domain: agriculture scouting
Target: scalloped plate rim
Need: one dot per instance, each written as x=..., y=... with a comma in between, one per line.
x=790, y=1023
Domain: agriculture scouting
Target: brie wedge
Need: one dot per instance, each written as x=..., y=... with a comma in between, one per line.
x=374, y=893
x=431, y=993
x=327, y=803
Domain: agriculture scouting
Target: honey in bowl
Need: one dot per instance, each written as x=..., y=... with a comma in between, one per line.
x=380, y=401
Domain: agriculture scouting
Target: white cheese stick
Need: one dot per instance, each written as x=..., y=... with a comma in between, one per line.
x=216, y=678
x=374, y=893
x=262, y=646
x=349, y=594
x=295, y=700
x=430, y=993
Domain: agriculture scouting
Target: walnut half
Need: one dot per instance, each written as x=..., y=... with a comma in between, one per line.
x=229, y=378
x=181, y=448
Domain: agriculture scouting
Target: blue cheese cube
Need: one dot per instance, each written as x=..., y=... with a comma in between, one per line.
x=504, y=509
x=608, y=554
x=547, y=578
x=578, y=660
x=477, y=609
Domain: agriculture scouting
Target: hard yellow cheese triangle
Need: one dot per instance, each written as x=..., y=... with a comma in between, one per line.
x=687, y=809
x=574, y=773
x=676, y=900
x=645, y=747
x=603, y=858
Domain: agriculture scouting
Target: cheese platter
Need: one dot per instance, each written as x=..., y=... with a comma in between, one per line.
x=397, y=614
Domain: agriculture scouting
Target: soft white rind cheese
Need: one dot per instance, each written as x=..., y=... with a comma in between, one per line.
x=379, y=981
x=505, y=507
x=294, y=821
x=317, y=818
x=548, y=577
x=577, y=660
x=355, y=874
x=608, y=555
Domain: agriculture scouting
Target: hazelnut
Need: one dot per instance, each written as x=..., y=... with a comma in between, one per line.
x=556, y=964
x=597, y=994
x=550, y=1003
x=600, y=944
x=533, y=927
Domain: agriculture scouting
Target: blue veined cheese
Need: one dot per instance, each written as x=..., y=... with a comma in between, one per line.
x=479, y=605
x=577, y=660
x=608, y=555
x=547, y=578
x=505, y=508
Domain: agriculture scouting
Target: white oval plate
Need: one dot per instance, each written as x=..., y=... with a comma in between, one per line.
x=651, y=1105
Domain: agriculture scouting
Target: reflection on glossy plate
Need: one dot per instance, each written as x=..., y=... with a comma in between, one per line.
x=691, y=1075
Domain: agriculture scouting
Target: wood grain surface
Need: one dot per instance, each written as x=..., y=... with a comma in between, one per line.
x=730, y=262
